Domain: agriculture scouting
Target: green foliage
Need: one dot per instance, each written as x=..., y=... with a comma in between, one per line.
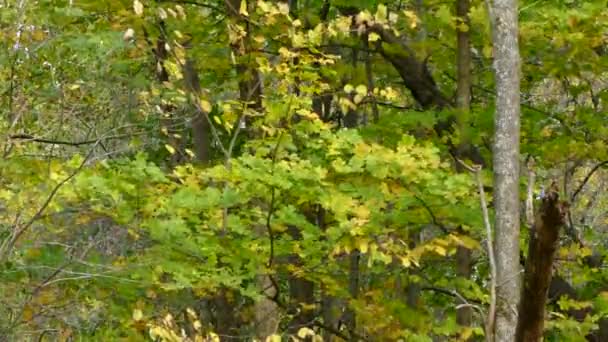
x=111, y=229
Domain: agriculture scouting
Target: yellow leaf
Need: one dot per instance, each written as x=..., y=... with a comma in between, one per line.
x=381, y=14
x=361, y=89
x=27, y=313
x=138, y=315
x=362, y=245
x=243, y=9
x=412, y=17
x=283, y=8
x=348, y=88
x=138, y=7
x=305, y=332
x=170, y=148
x=373, y=37
x=162, y=14
x=197, y=325
x=273, y=338
x=206, y=106
x=440, y=250
x=189, y=153
x=358, y=98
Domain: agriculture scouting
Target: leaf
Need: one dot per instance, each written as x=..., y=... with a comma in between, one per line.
x=305, y=332
x=243, y=8
x=138, y=315
x=170, y=148
x=273, y=338
x=206, y=106
x=361, y=89
x=138, y=7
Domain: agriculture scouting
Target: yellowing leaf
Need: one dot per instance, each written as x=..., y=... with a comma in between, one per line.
x=283, y=8
x=305, y=332
x=273, y=338
x=348, y=88
x=138, y=315
x=381, y=14
x=170, y=148
x=206, y=106
x=189, y=153
x=362, y=245
x=243, y=9
x=361, y=89
x=364, y=17
x=373, y=37
x=358, y=98
x=412, y=17
x=138, y=7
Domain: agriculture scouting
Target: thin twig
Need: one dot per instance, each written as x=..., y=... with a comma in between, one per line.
x=490, y=245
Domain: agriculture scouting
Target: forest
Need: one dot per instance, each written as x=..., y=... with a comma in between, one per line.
x=304, y=170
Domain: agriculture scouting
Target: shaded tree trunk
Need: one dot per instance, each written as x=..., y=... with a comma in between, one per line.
x=463, y=103
x=537, y=277
x=201, y=129
x=506, y=165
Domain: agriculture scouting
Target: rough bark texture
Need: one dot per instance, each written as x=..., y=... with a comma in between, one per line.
x=506, y=165
x=537, y=278
x=266, y=311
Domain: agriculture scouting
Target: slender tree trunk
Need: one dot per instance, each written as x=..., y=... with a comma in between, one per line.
x=266, y=311
x=350, y=317
x=506, y=165
x=463, y=102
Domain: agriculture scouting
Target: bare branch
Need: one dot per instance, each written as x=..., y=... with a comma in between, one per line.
x=490, y=245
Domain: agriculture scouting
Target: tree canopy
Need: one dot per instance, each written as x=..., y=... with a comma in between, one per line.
x=237, y=170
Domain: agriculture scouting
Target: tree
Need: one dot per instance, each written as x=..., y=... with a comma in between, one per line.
x=504, y=19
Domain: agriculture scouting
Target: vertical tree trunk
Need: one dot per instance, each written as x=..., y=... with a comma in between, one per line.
x=541, y=250
x=266, y=311
x=201, y=130
x=463, y=102
x=350, y=317
x=506, y=165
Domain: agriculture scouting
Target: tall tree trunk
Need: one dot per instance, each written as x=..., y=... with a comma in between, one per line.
x=506, y=165
x=463, y=102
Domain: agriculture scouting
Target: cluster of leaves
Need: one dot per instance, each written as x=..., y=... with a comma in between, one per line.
x=103, y=235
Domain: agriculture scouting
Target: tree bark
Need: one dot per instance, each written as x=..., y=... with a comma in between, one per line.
x=415, y=73
x=463, y=102
x=537, y=278
x=506, y=165
x=201, y=130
